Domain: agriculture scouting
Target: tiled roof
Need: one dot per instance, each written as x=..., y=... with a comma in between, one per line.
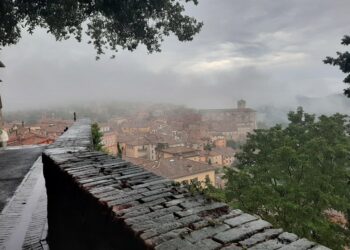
x=178, y=150
x=226, y=151
x=174, y=168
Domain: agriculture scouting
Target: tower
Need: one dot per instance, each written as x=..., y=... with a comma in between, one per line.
x=241, y=104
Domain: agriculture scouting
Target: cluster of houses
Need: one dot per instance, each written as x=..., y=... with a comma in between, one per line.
x=45, y=131
x=183, y=145
x=178, y=143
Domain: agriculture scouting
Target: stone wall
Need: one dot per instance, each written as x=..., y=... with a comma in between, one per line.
x=96, y=201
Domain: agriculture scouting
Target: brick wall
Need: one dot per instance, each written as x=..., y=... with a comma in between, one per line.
x=96, y=201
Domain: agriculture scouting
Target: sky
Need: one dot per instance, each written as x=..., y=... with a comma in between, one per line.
x=267, y=52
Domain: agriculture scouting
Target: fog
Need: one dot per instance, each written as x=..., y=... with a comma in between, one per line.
x=267, y=52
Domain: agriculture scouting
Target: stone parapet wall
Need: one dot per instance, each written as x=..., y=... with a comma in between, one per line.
x=96, y=201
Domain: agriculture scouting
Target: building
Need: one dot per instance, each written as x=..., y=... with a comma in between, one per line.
x=3, y=139
x=179, y=170
x=227, y=154
x=28, y=138
x=52, y=128
x=179, y=152
x=44, y=132
x=234, y=124
x=211, y=157
x=109, y=141
x=219, y=141
x=157, y=141
x=104, y=128
x=135, y=127
x=136, y=148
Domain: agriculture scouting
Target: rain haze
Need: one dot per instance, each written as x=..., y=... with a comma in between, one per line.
x=266, y=52
x=174, y=124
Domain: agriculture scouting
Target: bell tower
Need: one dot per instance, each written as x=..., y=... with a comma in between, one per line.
x=241, y=104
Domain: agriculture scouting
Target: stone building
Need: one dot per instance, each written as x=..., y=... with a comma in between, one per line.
x=109, y=141
x=234, y=124
x=179, y=152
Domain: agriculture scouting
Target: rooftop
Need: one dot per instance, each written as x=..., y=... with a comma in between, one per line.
x=226, y=151
x=179, y=150
x=174, y=168
x=234, y=110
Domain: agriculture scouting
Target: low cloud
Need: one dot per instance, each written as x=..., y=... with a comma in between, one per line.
x=267, y=52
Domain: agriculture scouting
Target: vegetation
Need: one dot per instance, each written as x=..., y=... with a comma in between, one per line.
x=205, y=187
x=109, y=24
x=291, y=176
x=120, y=151
x=233, y=144
x=96, y=137
x=343, y=62
x=207, y=147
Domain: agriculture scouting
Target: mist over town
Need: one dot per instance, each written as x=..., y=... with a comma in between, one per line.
x=174, y=124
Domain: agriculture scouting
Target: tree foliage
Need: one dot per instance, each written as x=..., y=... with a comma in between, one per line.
x=233, y=144
x=291, y=176
x=119, y=151
x=96, y=137
x=109, y=24
x=207, y=147
x=343, y=62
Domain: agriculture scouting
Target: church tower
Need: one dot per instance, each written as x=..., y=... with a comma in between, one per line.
x=241, y=104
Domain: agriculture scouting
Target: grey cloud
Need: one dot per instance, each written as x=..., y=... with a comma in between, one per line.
x=268, y=52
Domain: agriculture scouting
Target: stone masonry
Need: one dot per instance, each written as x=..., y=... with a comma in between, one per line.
x=96, y=201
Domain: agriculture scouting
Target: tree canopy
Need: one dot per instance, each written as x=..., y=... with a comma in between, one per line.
x=343, y=62
x=292, y=176
x=109, y=24
x=96, y=137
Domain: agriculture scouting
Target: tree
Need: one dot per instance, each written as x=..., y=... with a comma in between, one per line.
x=120, y=151
x=233, y=144
x=96, y=137
x=291, y=176
x=109, y=24
x=343, y=61
x=207, y=147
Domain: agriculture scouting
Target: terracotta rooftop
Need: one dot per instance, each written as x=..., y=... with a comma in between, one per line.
x=174, y=168
x=226, y=151
x=179, y=150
